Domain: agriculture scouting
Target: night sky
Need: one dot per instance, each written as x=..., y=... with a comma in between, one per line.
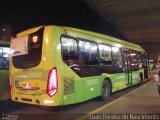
x=24, y=14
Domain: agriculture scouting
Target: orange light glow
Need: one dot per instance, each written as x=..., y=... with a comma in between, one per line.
x=35, y=39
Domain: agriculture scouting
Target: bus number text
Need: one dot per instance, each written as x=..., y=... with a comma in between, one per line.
x=35, y=74
x=92, y=82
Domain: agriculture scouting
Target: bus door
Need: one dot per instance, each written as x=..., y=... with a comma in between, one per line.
x=127, y=64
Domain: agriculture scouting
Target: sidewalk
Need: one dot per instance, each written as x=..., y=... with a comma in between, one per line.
x=144, y=100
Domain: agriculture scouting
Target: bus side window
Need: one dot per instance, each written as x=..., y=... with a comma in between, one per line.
x=1, y=52
x=69, y=50
x=88, y=54
x=117, y=61
x=134, y=60
x=1, y=58
x=117, y=56
x=105, y=54
x=1, y=63
x=140, y=63
x=5, y=63
x=4, y=54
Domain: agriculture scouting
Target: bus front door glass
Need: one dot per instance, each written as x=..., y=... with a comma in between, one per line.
x=128, y=71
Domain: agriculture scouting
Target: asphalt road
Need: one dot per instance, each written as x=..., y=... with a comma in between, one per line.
x=31, y=112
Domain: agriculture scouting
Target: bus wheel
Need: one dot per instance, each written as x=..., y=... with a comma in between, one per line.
x=106, y=90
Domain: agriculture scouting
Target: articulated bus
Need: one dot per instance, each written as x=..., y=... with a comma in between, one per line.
x=55, y=65
x=4, y=70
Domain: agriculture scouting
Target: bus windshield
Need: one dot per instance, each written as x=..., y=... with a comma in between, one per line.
x=27, y=50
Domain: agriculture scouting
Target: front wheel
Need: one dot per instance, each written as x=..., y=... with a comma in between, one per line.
x=106, y=90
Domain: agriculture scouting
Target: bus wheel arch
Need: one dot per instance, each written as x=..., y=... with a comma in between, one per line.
x=106, y=88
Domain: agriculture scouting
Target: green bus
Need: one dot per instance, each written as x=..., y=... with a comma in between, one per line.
x=55, y=65
x=4, y=70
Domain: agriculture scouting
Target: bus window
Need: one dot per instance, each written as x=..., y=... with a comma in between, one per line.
x=69, y=50
x=4, y=54
x=134, y=62
x=139, y=60
x=117, y=61
x=0, y=51
x=6, y=51
x=88, y=54
x=117, y=56
x=105, y=54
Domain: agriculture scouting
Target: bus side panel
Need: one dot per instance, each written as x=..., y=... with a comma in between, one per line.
x=118, y=81
x=66, y=78
x=4, y=85
x=79, y=90
x=73, y=87
x=92, y=87
x=135, y=77
x=53, y=52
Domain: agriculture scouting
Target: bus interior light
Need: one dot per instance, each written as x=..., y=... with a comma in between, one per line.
x=151, y=60
x=34, y=39
x=118, y=45
x=52, y=85
x=133, y=54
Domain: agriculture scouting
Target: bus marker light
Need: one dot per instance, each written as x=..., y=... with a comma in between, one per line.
x=10, y=85
x=48, y=101
x=92, y=89
x=35, y=39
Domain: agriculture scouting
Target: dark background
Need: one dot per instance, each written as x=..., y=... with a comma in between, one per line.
x=24, y=14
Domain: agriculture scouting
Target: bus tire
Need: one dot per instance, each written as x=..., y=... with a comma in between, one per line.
x=106, y=90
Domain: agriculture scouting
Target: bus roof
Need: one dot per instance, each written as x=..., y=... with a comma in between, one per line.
x=124, y=43
x=108, y=38
x=29, y=31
